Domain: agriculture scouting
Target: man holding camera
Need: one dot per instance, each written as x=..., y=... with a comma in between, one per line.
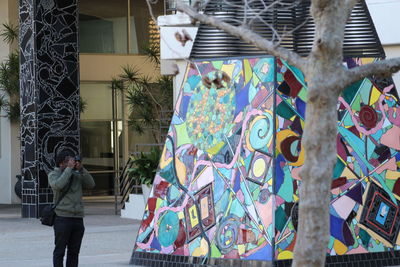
x=68, y=175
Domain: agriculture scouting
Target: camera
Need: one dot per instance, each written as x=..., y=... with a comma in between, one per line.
x=78, y=158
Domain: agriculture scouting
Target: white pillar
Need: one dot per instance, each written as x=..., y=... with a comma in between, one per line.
x=384, y=13
x=9, y=132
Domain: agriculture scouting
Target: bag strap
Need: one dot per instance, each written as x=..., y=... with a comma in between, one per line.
x=65, y=192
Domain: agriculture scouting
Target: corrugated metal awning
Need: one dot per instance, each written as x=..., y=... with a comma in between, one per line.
x=361, y=39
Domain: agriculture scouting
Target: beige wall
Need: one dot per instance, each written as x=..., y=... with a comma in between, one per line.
x=98, y=67
x=4, y=49
x=13, y=11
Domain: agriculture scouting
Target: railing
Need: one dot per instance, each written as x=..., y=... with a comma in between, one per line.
x=170, y=5
x=125, y=183
x=165, y=121
x=128, y=185
x=144, y=148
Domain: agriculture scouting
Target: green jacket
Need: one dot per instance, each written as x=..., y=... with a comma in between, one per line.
x=71, y=205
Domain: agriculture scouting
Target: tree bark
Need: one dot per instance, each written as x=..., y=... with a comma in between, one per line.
x=324, y=72
x=319, y=142
x=384, y=68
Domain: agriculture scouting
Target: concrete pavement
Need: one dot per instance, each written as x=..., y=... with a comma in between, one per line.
x=108, y=239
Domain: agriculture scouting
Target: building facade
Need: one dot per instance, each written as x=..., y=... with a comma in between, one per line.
x=112, y=34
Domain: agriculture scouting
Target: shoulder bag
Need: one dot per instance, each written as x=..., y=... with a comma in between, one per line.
x=48, y=213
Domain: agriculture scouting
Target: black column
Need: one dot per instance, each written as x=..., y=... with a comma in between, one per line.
x=49, y=93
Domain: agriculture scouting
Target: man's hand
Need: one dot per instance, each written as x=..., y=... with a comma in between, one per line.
x=78, y=165
x=71, y=163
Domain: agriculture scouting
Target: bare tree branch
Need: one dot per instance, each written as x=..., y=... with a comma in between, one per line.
x=349, y=5
x=246, y=35
x=320, y=4
x=383, y=68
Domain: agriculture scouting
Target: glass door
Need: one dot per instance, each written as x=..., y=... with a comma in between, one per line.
x=102, y=137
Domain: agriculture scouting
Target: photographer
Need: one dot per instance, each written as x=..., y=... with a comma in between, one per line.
x=69, y=175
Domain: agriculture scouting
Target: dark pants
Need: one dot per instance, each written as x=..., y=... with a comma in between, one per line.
x=68, y=234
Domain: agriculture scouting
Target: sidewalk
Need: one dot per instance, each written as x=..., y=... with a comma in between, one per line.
x=108, y=239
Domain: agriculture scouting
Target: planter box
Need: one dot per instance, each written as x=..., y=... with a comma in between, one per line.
x=134, y=207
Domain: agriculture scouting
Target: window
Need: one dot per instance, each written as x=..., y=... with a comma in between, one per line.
x=98, y=99
x=103, y=26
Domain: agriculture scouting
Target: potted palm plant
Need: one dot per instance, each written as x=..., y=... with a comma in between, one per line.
x=146, y=96
x=144, y=168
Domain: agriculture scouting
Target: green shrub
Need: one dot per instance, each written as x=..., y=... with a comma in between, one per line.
x=145, y=166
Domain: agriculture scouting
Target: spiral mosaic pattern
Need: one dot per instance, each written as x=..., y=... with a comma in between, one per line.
x=368, y=117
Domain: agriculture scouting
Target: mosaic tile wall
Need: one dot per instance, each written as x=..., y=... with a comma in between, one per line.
x=49, y=93
x=216, y=169
x=227, y=184
x=365, y=183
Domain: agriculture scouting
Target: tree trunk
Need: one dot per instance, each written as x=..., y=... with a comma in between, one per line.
x=325, y=74
x=319, y=142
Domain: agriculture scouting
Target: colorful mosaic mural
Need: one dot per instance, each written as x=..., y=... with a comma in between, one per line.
x=227, y=184
x=365, y=183
x=212, y=194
